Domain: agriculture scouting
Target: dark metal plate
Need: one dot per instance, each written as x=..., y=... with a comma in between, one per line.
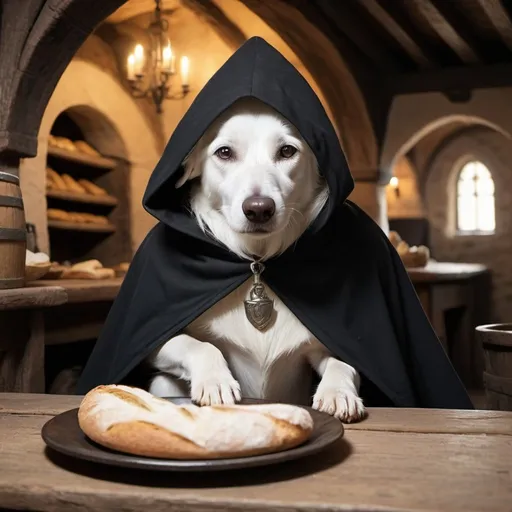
x=63, y=434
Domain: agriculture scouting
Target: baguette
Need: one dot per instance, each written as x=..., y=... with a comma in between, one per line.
x=101, y=273
x=56, y=214
x=83, y=147
x=72, y=185
x=92, y=189
x=134, y=421
x=54, y=180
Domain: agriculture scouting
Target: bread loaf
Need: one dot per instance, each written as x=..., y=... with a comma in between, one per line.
x=83, y=147
x=54, y=180
x=72, y=185
x=133, y=421
x=91, y=188
x=90, y=269
x=56, y=214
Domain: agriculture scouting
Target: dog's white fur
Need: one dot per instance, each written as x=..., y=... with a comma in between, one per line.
x=221, y=356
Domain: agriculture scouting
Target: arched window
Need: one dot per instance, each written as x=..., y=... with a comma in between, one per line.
x=475, y=199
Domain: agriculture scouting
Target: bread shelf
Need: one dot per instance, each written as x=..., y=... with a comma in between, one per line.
x=75, y=226
x=82, y=158
x=75, y=197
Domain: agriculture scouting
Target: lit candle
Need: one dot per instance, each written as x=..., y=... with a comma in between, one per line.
x=131, y=67
x=167, y=59
x=173, y=63
x=394, y=185
x=139, y=59
x=184, y=71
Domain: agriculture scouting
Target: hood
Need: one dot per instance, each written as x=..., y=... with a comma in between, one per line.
x=255, y=70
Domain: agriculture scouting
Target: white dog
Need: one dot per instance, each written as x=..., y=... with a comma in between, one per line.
x=259, y=189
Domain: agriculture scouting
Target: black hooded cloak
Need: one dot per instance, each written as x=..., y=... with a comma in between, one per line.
x=343, y=279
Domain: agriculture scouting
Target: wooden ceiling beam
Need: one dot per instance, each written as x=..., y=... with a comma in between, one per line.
x=347, y=20
x=447, y=23
x=452, y=79
x=400, y=30
x=500, y=19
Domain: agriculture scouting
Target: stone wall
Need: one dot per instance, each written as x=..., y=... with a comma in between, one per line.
x=409, y=204
x=495, y=151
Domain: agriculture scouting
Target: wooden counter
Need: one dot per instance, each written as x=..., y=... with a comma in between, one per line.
x=456, y=298
x=80, y=290
x=441, y=272
x=66, y=311
x=397, y=459
x=47, y=312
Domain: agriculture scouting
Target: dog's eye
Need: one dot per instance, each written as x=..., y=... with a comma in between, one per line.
x=287, y=151
x=224, y=153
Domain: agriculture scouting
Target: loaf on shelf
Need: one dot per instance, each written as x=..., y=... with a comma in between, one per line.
x=121, y=269
x=61, y=143
x=54, y=180
x=77, y=217
x=79, y=146
x=83, y=147
x=65, y=182
x=91, y=188
x=412, y=257
x=90, y=269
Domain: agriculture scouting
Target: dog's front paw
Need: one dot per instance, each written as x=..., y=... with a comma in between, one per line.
x=216, y=391
x=341, y=403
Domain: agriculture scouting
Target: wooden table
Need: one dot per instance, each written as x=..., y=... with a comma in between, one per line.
x=47, y=312
x=456, y=298
x=396, y=460
x=64, y=311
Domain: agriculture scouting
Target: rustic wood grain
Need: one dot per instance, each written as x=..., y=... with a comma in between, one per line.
x=84, y=290
x=368, y=471
x=379, y=419
x=33, y=296
x=22, y=352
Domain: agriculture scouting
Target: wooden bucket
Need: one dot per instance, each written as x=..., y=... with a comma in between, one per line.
x=13, y=233
x=496, y=341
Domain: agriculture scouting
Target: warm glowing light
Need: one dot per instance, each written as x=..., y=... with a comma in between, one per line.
x=130, y=68
x=394, y=182
x=167, y=59
x=184, y=71
x=139, y=59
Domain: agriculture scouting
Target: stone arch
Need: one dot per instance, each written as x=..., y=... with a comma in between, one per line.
x=71, y=21
x=56, y=28
x=83, y=91
x=493, y=149
x=422, y=114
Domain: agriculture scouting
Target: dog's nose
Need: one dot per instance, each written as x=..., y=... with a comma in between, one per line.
x=259, y=209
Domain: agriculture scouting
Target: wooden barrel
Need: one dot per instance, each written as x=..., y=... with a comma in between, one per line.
x=496, y=340
x=12, y=231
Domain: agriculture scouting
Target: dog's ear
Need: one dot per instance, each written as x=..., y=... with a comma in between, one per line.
x=191, y=168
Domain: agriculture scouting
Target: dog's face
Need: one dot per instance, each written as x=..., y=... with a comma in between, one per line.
x=255, y=169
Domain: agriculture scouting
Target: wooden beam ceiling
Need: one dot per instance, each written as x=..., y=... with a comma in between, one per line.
x=500, y=19
x=399, y=28
x=446, y=22
x=351, y=22
x=452, y=79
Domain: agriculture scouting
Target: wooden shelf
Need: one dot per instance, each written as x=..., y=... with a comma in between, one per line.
x=82, y=158
x=81, y=198
x=75, y=226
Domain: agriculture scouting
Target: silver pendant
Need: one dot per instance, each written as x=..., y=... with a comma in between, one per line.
x=258, y=308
